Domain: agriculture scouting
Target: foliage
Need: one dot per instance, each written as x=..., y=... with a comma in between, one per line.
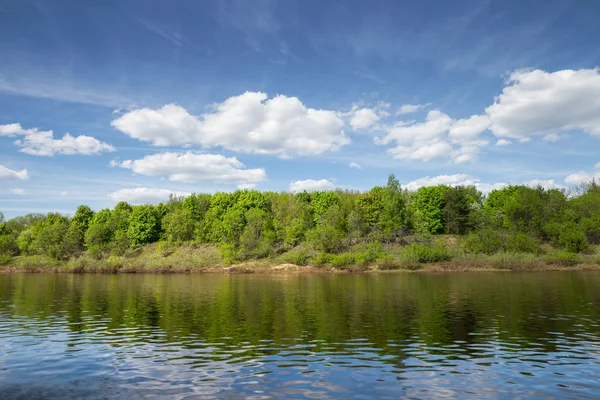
x=179, y=225
x=430, y=202
x=428, y=252
x=563, y=257
x=144, y=225
x=296, y=257
x=342, y=260
x=248, y=224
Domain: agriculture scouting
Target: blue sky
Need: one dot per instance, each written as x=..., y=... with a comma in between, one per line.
x=199, y=96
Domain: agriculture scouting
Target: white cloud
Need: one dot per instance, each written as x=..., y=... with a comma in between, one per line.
x=552, y=137
x=355, y=165
x=410, y=108
x=311, y=185
x=545, y=103
x=249, y=123
x=453, y=180
x=42, y=143
x=468, y=129
x=143, y=195
x=546, y=184
x=12, y=175
x=364, y=118
x=17, y=191
x=439, y=136
x=192, y=167
x=583, y=176
x=503, y=142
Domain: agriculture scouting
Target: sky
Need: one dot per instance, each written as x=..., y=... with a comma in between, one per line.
x=103, y=101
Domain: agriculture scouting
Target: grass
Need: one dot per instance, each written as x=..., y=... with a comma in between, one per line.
x=446, y=254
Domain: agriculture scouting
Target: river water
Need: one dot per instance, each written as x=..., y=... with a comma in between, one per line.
x=477, y=335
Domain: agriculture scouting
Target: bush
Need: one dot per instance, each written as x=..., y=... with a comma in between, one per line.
x=388, y=262
x=428, y=253
x=8, y=245
x=370, y=254
x=409, y=260
x=165, y=249
x=487, y=241
x=5, y=259
x=573, y=240
x=321, y=259
x=296, y=257
x=513, y=261
x=564, y=258
x=229, y=253
x=342, y=260
x=522, y=243
x=326, y=238
x=490, y=241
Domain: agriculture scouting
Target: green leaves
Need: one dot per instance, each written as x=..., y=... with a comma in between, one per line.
x=144, y=225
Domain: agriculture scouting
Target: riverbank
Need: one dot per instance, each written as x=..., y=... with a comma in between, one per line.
x=207, y=259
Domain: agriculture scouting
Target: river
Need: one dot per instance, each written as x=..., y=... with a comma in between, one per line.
x=477, y=335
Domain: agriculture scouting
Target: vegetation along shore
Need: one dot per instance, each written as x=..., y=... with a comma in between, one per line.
x=434, y=228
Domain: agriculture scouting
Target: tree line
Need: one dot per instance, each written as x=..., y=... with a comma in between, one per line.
x=249, y=224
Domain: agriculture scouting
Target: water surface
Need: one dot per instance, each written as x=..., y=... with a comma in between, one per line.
x=479, y=335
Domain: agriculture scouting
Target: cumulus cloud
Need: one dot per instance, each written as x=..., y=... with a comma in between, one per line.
x=364, y=118
x=410, y=108
x=545, y=183
x=250, y=123
x=311, y=185
x=583, y=176
x=43, y=143
x=192, y=167
x=438, y=136
x=454, y=180
x=367, y=118
x=17, y=191
x=502, y=142
x=7, y=174
x=144, y=195
x=537, y=102
x=355, y=165
x=552, y=137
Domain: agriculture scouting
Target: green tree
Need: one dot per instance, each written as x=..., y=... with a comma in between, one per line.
x=393, y=217
x=179, y=225
x=430, y=203
x=144, y=225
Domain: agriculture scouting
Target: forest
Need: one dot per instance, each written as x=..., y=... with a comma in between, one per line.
x=388, y=226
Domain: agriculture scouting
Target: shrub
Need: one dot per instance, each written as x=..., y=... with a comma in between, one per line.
x=370, y=254
x=513, y=261
x=388, y=262
x=95, y=251
x=5, y=259
x=321, y=259
x=428, y=253
x=326, y=238
x=229, y=253
x=8, y=245
x=487, y=241
x=573, y=240
x=165, y=249
x=490, y=241
x=296, y=257
x=563, y=257
x=522, y=243
x=342, y=260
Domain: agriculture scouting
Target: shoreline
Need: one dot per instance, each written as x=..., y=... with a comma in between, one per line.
x=287, y=268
